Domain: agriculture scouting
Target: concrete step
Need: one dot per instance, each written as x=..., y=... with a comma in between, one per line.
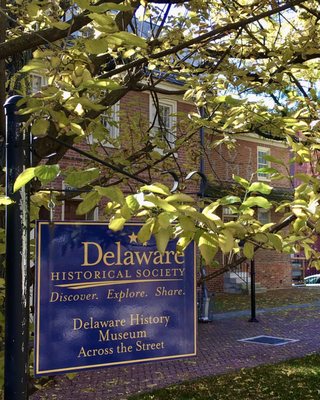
x=234, y=280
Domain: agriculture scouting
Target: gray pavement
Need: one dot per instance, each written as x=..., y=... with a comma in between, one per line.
x=219, y=351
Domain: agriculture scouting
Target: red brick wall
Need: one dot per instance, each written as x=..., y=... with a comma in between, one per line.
x=216, y=284
x=242, y=160
x=273, y=270
x=134, y=125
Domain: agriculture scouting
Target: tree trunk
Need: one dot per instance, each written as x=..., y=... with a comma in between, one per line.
x=3, y=26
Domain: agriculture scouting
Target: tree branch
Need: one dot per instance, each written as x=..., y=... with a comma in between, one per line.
x=221, y=31
x=228, y=267
x=29, y=41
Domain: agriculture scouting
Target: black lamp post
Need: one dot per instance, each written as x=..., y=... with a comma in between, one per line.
x=253, y=291
x=205, y=298
x=17, y=259
x=252, y=286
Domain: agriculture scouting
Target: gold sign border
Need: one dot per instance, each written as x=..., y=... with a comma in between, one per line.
x=85, y=367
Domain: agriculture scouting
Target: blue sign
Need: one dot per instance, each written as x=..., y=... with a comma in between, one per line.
x=103, y=298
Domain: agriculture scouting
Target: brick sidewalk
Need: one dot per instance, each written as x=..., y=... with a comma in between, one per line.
x=218, y=352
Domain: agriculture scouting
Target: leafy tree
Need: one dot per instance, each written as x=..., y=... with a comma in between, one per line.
x=246, y=65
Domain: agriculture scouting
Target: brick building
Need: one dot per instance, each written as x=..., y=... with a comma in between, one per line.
x=273, y=270
x=133, y=116
x=131, y=123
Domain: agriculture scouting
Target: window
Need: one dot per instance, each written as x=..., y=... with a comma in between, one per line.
x=163, y=120
x=228, y=214
x=37, y=82
x=110, y=120
x=312, y=280
x=107, y=132
x=70, y=206
x=263, y=216
x=262, y=152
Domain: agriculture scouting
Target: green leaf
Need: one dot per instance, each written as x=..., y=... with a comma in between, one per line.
x=107, y=84
x=276, y=241
x=109, y=6
x=61, y=25
x=105, y=24
x=162, y=239
x=187, y=224
x=196, y=216
x=76, y=128
x=183, y=242
x=146, y=231
x=299, y=223
x=229, y=100
x=102, y=19
x=236, y=228
x=156, y=188
x=226, y=241
x=275, y=160
x=33, y=9
x=257, y=201
x=71, y=376
x=303, y=177
x=113, y=193
x=5, y=201
x=229, y=200
x=209, y=212
x=89, y=105
x=96, y=46
x=40, y=127
x=129, y=39
x=164, y=220
x=260, y=187
x=133, y=203
x=47, y=173
x=89, y=202
x=243, y=182
x=268, y=170
x=248, y=250
x=24, y=178
x=160, y=203
x=181, y=197
x=131, y=52
x=261, y=237
x=117, y=223
x=34, y=64
x=78, y=179
x=84, y=4
x=208, y=247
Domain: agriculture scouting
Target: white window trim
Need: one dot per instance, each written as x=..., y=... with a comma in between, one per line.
x=262, y=176
x=227, y=214
x=115, y=109
x=95, y=211
x=173, y=124
x=262, y=211
x=44, y=81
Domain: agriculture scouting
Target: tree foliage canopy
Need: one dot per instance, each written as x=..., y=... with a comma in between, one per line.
x=246, y=65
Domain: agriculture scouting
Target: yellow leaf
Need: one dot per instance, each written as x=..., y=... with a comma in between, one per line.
x=40, y=127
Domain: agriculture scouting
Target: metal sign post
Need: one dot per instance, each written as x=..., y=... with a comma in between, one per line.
x=253, y=292
x=17, y=260
x=205, y=298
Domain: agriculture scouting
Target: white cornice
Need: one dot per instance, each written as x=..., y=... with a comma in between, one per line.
x=254, y=138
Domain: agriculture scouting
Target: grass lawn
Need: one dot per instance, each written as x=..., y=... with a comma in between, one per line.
x=272, y=298
x=297, y=379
